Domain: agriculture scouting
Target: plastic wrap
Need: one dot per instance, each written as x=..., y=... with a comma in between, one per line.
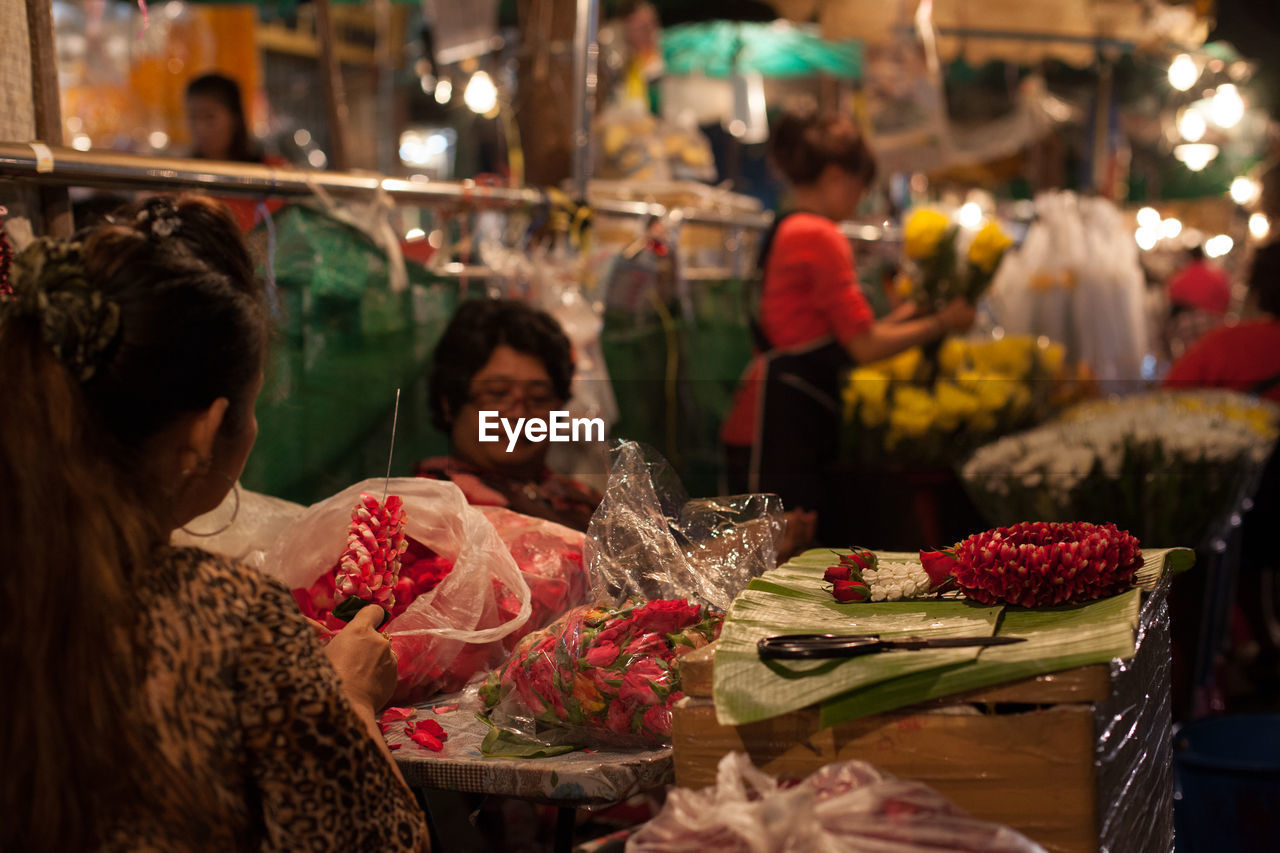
x=1133, y=750
x=246, y=531
x=845, y=806
x=455, y=630
x=600, y=676
x=648, y=540
x=1076, y=279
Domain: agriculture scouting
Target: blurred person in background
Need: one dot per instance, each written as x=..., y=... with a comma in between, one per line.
x=813, y=323
x=1245, y=357
x=505, y=356
x=219, y=131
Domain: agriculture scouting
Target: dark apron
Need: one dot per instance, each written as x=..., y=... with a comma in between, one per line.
x=797, y=431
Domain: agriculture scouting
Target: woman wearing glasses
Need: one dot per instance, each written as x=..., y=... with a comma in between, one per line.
x=504, y=356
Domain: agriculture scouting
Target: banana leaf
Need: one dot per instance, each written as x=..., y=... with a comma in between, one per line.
x=794, y=599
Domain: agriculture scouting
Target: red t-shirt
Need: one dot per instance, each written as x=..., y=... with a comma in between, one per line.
x=810, y=293
x=1235, y=357
x=1201, y=286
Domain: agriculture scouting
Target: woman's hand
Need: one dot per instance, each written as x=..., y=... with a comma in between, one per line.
x=363, y=660
x=957, y=316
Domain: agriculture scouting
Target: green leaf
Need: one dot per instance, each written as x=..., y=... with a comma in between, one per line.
x=794, y=599
x=505, y=743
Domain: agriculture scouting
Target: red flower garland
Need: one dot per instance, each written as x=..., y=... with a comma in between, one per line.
x=1037, y=564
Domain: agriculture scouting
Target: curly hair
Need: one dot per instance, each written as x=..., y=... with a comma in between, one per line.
x=478, y=328
x=802, y=145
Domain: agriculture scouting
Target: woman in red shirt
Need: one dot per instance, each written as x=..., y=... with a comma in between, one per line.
x=1244, y=356
x=783, y=431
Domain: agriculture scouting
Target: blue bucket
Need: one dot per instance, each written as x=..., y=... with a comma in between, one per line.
x=1227, y=788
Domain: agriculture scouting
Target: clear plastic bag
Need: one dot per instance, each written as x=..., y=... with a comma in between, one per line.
x=648, y=540
x=845, y=806
x=600, y=676
x=549, y=555
x=447, y=635
x=247, y=524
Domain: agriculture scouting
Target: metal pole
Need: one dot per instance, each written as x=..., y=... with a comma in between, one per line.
x=586, y=56
x=335, y=97
x=69, y=167
x=55, y=204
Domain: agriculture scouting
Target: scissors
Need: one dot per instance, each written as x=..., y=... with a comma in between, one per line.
x=806, y=646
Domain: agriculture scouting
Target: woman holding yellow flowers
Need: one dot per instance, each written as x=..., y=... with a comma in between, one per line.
x=813, y=323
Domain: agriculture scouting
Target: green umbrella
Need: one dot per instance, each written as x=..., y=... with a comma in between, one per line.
x=779, y=49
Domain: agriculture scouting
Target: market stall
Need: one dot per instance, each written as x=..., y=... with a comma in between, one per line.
x=1044, y=736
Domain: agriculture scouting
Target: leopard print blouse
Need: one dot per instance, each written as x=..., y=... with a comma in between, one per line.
x=247, y=710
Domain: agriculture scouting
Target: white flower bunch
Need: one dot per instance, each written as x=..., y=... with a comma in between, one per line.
x=894, y=581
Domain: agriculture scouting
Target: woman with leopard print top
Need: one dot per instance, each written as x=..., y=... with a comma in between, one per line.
x=162, y=698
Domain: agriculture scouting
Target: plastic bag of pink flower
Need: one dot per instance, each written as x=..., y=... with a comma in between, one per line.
x=456, y=621
x=600, y=676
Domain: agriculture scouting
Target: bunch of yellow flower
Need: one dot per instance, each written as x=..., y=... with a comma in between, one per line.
x=977, y=391
x=923, y=232
x=935, y=272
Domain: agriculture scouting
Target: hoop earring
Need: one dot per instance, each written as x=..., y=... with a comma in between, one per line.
x=235, y=490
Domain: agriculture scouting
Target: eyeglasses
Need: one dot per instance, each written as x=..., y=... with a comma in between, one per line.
x=501, y=394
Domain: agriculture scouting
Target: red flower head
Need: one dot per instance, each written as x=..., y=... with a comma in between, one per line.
x=1036, y=564
x=846, y=591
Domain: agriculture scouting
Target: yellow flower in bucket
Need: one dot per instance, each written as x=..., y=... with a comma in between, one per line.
x=923, y=231
x=955, y=405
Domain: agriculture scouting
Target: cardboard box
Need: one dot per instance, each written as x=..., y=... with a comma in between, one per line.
x=1078, y=761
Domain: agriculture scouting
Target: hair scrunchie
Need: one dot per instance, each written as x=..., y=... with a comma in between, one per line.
x=77, y=322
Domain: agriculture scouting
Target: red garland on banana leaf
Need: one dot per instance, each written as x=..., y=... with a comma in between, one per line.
x=1038, y=564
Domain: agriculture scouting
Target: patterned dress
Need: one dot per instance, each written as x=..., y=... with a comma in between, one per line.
x=246, y=708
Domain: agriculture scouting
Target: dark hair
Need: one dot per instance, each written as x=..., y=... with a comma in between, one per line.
x=82, y=507
x=802, y=145
x=1196, y=252
x=478, y=328
x=226, y=91
x=1264, y=277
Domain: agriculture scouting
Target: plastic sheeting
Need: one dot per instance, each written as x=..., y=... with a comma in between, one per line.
x=648, y=539
x=1134, y=734
x=1076, y=279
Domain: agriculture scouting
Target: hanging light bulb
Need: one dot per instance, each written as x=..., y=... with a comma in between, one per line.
x=1196, y=155
x=444, y=90
x=480, y=96
x=1216, y=247
x=1146, y=238
x=1192, y=125
x=970, y=214
x=1149, y=217
x=1183, y=72
x=1170, y=228
x=1244, y=190
x=1259, y=226
x=1227, y=107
